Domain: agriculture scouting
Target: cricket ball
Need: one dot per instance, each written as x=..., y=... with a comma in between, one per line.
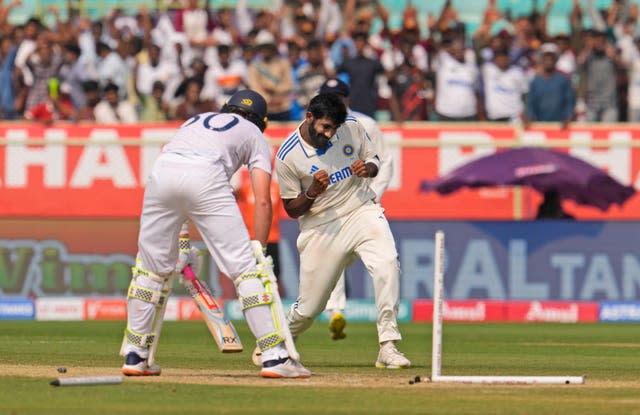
x=62, y=370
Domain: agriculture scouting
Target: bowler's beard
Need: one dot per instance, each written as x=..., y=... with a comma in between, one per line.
x=317, y=140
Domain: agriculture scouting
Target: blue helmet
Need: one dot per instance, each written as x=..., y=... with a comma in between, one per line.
x=250, y=105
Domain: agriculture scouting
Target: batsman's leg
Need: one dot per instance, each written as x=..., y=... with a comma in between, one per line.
x=146, y=303
x=259, y=308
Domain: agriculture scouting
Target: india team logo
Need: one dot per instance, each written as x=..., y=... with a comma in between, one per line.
x=348, y=150
x=247, y=101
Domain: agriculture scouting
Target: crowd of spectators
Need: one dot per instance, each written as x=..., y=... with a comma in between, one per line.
x=174, y=62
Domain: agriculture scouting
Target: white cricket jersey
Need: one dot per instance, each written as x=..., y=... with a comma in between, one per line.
x=297, y=161
x=503, y=91
x=380, y=183
x=456, y=86
x=223, y=138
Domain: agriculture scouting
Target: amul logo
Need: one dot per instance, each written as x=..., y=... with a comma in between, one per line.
x=247, y=101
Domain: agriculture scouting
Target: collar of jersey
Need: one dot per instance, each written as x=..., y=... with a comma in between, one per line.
x=311, y=151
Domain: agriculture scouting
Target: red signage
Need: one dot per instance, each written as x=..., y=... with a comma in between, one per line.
x=99, y=171
x=105, y=309
x=515, y=311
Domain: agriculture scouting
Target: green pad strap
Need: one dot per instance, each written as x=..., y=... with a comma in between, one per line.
x=147, y=295
x=138, y=339
x=269, y=341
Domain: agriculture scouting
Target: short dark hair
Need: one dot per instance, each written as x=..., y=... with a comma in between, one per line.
x=328, y=105
x=313, y=44
x=111, y=87
x=73, y=48
x=90, y=86
x=361, y=35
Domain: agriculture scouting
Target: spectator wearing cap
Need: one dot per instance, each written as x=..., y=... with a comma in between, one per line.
x=598, y=79
x=114, y=110
x=270, y=76
x=337, y=301
x=362, y=72
x=551, y=96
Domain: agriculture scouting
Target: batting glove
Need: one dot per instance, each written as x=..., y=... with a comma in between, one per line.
x=188, y=256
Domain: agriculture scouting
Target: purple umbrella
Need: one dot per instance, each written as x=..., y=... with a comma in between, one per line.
x=541, y=169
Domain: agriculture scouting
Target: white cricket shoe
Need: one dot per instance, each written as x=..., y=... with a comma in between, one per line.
x=337, y=325
x=284, y=368
x=137, y=366
x=390, y=358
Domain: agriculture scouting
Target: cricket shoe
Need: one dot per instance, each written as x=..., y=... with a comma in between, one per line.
x=284, y=368
x=390, y=358
x=137, y=366
x=337, y=325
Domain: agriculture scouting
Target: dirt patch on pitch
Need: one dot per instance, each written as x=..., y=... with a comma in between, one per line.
x=250, y=377
x=213, y=377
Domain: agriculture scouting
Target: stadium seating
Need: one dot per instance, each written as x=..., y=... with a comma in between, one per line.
x=469, y=11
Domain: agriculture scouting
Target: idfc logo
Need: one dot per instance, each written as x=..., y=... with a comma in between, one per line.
x=619, y=311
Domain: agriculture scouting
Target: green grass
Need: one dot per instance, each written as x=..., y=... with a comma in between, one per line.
x=344, y=382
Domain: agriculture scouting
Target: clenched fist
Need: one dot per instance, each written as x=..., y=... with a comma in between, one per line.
x=359, y=168
x=319, y=184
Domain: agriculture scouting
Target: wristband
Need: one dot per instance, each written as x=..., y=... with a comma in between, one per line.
x=307, y=195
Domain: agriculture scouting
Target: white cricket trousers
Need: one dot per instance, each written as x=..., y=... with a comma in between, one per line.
x=180, y=188
x=326, y=250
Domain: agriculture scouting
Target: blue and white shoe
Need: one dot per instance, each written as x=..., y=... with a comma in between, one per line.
x=135, y=365
x=284, y=368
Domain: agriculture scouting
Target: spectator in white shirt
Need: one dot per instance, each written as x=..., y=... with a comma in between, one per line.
x=504, y=87
x=457, y=84
x=113, y=110
x=112, y=69
x=224, y=78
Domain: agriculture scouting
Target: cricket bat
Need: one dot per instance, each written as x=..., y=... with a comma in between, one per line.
x=223, y=332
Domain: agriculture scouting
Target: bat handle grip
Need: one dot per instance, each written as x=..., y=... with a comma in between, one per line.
x=188, y=273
